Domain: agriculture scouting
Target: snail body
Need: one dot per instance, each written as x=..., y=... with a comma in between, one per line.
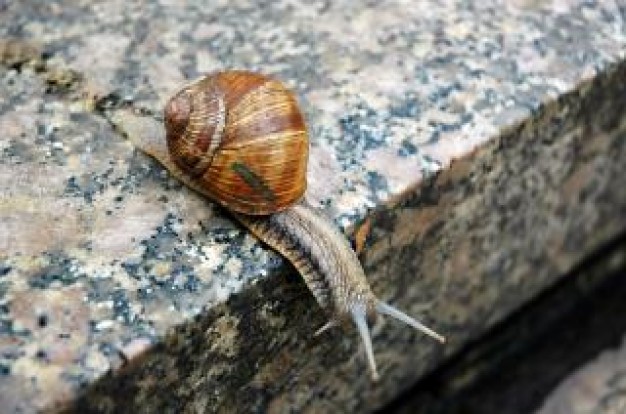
x=239, y=138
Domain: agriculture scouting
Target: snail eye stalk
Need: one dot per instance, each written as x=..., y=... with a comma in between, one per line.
x=386, y=309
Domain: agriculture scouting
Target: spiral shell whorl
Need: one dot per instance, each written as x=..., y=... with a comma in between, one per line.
x=243, y=138
x=195, y=120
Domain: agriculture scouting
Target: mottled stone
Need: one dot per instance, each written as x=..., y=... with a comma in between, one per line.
x=95, y=265
x=482, y=145
x=517, y=364
x=597, y=387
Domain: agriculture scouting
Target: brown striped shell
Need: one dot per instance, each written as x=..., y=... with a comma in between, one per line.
x=242, y=139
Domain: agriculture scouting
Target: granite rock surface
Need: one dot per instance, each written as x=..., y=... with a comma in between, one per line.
x=597, y=387
x=473, y=153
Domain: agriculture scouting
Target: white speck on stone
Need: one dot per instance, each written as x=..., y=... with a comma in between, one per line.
x=233, y=266
x=221, y=293
x=344, y=222
x=136, y=347
x=104, y=325
x=212, y=255
x=381, y=194
x=234, y=285
x=96, y=361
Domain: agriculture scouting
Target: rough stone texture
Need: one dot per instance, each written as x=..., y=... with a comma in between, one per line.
x=119, y=286
x=517, y=365
x=599, y=387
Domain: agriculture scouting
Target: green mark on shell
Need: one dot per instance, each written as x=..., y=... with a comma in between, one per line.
x=253, y=180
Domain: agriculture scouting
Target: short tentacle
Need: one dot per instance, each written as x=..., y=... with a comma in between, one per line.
x=328, y=325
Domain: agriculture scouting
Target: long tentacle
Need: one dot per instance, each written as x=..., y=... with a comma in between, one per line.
x=386, y=309
x=359, y=317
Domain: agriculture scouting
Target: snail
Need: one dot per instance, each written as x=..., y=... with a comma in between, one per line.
x=239, y=138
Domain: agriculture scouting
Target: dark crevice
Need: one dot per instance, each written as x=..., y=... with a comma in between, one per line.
x=514, y=366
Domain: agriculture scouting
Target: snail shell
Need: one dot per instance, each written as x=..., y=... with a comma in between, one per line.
x=242, y=138
x=239, y=138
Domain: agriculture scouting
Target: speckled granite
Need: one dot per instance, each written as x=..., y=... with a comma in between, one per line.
x=515, y=366
x=120, y=290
